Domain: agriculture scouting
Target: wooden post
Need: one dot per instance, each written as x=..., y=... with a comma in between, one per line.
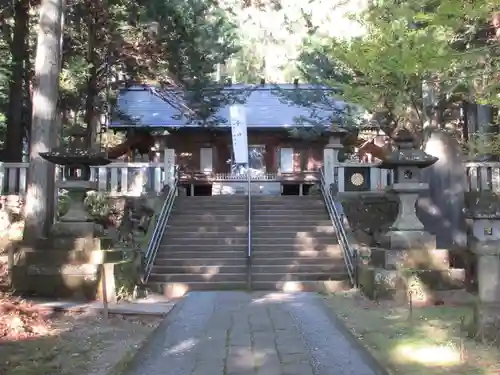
x=105, y=308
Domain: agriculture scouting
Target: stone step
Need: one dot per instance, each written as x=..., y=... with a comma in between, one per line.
x=294, y=215
x=174, y=234
x=286, y=198
x=273, y=232
x=202, y=242
x=299, y=268
x=199, y=269
x=180, y=252
x=294, y=222
x=278, y=261
x=239, y=219
x=208, y=211
x=176, y=290
x=211, y=204
x=202, y=246
x=303, y=286
x=310, y=205
x=200, y=262
x=283, y=227
x=288, y=252
x=292, y=276
x=212, y=198
x=279, y=239
x=197, y=277
x=206, y=228
x=298, y=249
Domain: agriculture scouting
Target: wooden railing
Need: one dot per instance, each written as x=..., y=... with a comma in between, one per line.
x=119, y=179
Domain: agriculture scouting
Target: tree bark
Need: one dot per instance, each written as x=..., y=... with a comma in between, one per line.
x=92, y=82
x=45, y=96
x=15, y=125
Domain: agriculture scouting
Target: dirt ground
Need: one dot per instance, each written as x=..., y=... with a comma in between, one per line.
x=35, y=343
x=429, y=340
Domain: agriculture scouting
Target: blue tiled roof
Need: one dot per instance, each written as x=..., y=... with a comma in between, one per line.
x=265, y=106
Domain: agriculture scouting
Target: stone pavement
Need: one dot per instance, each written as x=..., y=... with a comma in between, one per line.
x=238, y=333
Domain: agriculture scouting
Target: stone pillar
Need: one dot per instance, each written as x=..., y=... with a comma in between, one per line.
x=169, y=167
x=331, y=158
x=485, y=214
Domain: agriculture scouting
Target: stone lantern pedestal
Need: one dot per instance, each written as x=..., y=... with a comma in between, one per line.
x=485, y=215
x=407, y=260
x=70, y=261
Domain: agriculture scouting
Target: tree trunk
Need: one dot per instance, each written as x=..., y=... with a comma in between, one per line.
x=45, y=95
x=15, y=125
x=92, y=82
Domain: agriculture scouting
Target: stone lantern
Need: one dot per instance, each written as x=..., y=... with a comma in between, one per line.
x=407, y=252
x=484, y=211
x=67, y=263
x=407, y=161
x=336, y=135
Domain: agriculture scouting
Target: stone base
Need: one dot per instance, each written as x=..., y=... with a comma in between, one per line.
x=408, y=240
x=64, y=273
x=420, y=259
x=378, y=283
x=64, y=281
x=74, y=229
x=82, y=282
x=486, y=322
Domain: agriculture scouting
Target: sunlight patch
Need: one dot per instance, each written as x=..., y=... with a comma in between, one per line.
x=184, y=346
x=432, y=355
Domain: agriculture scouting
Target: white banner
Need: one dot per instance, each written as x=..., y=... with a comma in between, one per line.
x=238, y=120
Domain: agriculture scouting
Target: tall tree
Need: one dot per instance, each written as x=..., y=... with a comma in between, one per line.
x=382, y=71
x=16, y=128
x=195, y=36
x=45, y=96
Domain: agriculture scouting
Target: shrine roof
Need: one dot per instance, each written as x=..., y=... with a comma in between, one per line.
x=266, y=106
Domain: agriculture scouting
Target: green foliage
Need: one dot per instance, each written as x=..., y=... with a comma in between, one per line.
x=176, y=42
x=98, y=204
x=404, y=45
x=127, y=276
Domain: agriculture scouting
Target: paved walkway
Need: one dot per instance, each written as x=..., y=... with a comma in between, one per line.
x=237, y=333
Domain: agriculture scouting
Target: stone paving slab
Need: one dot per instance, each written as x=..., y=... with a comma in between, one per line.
x=238, y=333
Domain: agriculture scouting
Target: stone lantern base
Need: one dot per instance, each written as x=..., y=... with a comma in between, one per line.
x=408, y=262
x=396, y=274
x=487, y=312
x=68, y=264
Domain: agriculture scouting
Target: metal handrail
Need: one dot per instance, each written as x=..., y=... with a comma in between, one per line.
x=350, y=252
x=159, y=229
x=249, y=234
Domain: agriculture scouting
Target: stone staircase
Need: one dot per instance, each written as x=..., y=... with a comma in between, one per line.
x=204, y=247
x=294, y=245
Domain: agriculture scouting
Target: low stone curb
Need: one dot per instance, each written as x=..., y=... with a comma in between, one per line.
x=123, y=308
x=365, y=352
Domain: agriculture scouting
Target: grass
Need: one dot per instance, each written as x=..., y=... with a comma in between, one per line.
x=430, y=341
